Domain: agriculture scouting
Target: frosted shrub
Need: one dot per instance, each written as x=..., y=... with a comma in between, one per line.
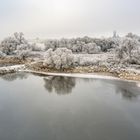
x=9, y=44
x=105, y=43
x=77, y=48
x=91, y=48
x=19, y=37
x=133, y=36
x=61, y=58
x=24, y=47
x=51, y=44
x=23, y=54
x=78, y=45
x=128, y=51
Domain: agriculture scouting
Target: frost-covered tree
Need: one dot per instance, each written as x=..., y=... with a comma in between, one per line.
x=10, y=44
x=51, y=44
x=133, y=36
x=62, y=43
x=20, y=38
x=128, y=51
x=24, y=47
x=23, y=54
x=77, y=44
x=114, y=34
x=105, y=43
x=91, y=48
x=87, y=39
x=77, y=48
x=61, y=58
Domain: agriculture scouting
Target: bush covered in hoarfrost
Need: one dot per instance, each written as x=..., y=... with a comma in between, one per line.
x=51, y=44
x=128, y=51
x=133, y=36
x=10, y=44
x=61, y=58
x=76, y=45
x=91, y=48
x=24, y=47
x=82, y=45
x=23, y=54
x=105, y=43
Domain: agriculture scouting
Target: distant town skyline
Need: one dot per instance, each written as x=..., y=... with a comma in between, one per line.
x=69, y=18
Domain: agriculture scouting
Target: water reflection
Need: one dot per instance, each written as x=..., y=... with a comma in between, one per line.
x=94, y=110
x=128, y=90
x=64, y=85
x=61, y=85
x=14, y=76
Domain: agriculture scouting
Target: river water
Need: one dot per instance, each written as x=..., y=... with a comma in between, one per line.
x=37, y=107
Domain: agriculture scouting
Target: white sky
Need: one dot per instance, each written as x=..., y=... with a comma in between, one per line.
x=69, y=18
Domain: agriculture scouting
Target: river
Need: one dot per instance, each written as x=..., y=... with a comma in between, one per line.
x=37, y=107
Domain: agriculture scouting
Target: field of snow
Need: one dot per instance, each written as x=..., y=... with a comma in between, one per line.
x=93, y=59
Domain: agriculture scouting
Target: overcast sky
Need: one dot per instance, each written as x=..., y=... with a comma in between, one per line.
x=69, y=18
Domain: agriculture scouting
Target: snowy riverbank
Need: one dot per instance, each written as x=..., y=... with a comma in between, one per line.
x=74, y=73
x=11, y=69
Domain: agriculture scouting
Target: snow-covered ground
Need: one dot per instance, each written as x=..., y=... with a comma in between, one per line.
x=97, y=57
x=22, y=68
x=9, y=69
x=86, y=75
x=93, y=59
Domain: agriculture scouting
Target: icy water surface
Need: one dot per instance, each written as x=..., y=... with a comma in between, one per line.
x=60, y=108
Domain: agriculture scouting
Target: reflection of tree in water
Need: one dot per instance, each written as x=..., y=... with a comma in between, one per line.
x=14, y=76
x=61, y=85
x=126, y=93
x=127, y=90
